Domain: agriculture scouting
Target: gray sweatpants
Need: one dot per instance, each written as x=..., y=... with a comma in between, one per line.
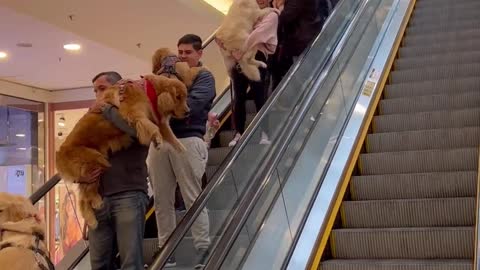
x=167, y=167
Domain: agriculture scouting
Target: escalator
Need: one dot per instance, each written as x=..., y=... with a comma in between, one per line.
x=411, y=202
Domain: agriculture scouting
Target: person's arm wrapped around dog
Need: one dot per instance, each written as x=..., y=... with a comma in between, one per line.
x=111, y=113
x=201, y=93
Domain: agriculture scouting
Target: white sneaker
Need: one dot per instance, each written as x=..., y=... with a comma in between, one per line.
x=264, y=139
x=233, y=142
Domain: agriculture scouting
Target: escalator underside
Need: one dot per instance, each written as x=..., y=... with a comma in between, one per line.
x=411, y=203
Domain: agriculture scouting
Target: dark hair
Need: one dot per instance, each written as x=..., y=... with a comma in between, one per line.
x=195, y=40
x=111, y=76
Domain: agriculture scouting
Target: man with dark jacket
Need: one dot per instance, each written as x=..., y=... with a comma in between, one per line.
x=167, y=166
x=299, y=23
x=123, y=186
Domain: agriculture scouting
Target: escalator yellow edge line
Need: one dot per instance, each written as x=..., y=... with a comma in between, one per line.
x=343, y=217
x=475, y=258
x=225, y=118
x=323, y=239
x=352, y=190
x=149, y=213
x=333, y=247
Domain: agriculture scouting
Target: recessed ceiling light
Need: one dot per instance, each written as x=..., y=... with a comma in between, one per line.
x=21, y=135
x=3, y=55
x=61, y=124
x=72, y=47
x=21, y=148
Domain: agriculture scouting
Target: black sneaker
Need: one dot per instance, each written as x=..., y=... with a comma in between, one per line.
x=201, y=258
x=171, y=262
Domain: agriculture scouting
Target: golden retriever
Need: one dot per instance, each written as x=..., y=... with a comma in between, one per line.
x=166, y=63
x=233, y=33
x=20, y=227
x=87, y=146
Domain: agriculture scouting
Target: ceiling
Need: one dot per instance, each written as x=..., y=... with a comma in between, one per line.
x=116, y=35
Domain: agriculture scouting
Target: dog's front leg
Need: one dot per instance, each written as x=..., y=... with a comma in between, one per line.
x=148, y=132
x=168, y=135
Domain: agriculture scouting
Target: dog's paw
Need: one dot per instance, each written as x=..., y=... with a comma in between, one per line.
x=92, y=224
x=97, y=204
x=157, y=141
x=179, y=147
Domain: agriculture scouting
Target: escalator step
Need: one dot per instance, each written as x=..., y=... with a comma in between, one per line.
x=451, y=20
x=413, y=186
x=433, y=38
x=415, y=89
x=430, y=103
x=445, y=27
x=397, y=265
x=449, y=17
x=426, y=120
x=423, y=140
x=434, y=3
x=443, y=160
x=210, y=171
x=436, y=72
x=403, y=243
x=434, y=212
x=453, y=8
x=433, y=60
x=226, y=136
x=423, y=50
x=217, y=155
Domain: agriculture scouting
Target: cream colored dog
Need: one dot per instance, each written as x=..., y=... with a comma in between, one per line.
x=234, y=31
x=21, y=244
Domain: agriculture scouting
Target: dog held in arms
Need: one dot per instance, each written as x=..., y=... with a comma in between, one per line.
x=166, y=63
x=82, y=152
x=22, y=233
x=233, y=33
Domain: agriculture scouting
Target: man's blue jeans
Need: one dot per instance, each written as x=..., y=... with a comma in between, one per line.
x=121, y=224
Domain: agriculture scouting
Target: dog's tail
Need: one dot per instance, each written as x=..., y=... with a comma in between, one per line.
x=250, y=71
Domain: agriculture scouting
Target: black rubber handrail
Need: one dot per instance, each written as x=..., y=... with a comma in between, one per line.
x=45, y=188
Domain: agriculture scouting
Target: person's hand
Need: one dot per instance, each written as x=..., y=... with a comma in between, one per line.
x=97, y=107
x=93, y=176
x=278, y=4
x=140, y=84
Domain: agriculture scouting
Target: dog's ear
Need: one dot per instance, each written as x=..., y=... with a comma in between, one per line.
x=112, y=95
x=165, y=102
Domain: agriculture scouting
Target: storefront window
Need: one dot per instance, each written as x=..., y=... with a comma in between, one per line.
x=22, y=145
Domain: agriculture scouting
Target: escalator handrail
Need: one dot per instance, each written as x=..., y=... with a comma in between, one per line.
x=209, y=40
x=45, y=188
x=259, y=185
x=190, y=216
